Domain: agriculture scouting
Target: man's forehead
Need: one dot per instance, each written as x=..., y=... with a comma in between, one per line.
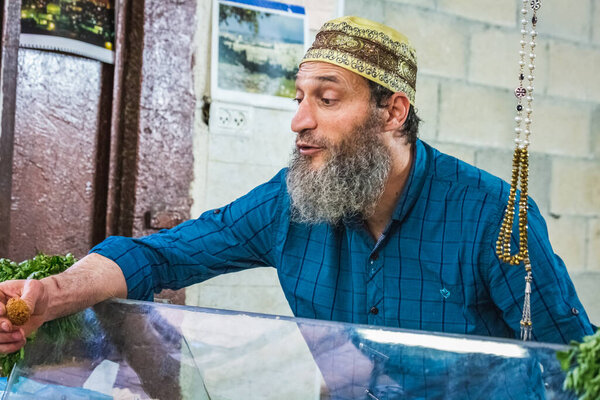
x=322, y=72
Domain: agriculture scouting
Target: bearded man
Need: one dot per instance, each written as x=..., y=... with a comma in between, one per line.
x=368, y=224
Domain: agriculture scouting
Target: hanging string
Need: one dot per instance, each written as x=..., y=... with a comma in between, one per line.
x=520, y=167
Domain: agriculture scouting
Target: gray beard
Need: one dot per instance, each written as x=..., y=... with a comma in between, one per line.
x=349, y=184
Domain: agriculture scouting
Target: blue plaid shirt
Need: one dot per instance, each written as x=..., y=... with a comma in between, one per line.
x=434, y=268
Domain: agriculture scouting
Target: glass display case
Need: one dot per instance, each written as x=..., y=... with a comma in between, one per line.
x=138, y=350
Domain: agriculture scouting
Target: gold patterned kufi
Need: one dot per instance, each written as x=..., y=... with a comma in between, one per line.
x=372, y=50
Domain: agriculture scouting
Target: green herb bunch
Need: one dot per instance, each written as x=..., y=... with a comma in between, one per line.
x=39, y=267
x=582, y=361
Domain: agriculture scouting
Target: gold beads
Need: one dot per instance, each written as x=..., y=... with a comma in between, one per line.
x=519, y=179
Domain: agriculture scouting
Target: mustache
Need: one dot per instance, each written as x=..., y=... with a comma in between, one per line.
x=308, y=136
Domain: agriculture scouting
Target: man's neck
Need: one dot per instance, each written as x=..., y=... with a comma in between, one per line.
x=402, y=159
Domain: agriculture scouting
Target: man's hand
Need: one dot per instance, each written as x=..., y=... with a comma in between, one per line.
x=33, y=292
x=91, y=280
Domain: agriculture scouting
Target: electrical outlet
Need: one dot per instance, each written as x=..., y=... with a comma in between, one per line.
x=230, y=119
x=238, y=119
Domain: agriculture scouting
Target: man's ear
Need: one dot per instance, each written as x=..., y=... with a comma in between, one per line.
x=397, y=111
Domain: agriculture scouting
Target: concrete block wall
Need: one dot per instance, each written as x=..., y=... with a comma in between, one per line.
x=468, y=54
x=468, y=67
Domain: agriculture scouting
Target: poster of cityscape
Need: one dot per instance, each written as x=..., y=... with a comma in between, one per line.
x=256, y=48
x=82, y=27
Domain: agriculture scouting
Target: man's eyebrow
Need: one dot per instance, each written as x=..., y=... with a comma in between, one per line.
x=329, y=78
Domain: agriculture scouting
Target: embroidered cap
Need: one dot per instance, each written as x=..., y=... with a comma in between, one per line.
x=372, y=50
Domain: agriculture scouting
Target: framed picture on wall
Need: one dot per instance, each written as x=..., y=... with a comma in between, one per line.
x=256, y=48
x=83, y=27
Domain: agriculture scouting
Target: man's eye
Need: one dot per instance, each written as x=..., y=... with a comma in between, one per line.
x=297, y=100
x=328, y=102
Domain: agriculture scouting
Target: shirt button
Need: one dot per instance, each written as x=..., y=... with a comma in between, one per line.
x=217, y=211
x=374, y=256
x=574, y=311
x=374, y=310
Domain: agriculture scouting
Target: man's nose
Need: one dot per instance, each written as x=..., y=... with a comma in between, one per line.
x=304, y=117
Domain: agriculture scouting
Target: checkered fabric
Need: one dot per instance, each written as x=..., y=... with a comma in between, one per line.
x=434, y=268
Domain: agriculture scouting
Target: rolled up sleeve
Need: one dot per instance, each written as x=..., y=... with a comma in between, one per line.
x=557, y=314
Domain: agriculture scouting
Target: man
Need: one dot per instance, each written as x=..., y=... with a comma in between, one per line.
x=368, y=224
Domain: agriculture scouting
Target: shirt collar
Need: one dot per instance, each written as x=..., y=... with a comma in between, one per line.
x=414, y=184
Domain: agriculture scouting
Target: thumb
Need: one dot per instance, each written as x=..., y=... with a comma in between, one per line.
x=32, y=292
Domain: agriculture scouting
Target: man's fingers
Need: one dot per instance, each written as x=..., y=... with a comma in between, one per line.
x=11, y=342
x=11, y=347
x=2, y=311
x=16, y=336
x=5, y=325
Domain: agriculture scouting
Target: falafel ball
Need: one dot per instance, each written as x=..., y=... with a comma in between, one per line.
x=17, y=311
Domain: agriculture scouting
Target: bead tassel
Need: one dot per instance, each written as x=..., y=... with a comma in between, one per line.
x=526, y=326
